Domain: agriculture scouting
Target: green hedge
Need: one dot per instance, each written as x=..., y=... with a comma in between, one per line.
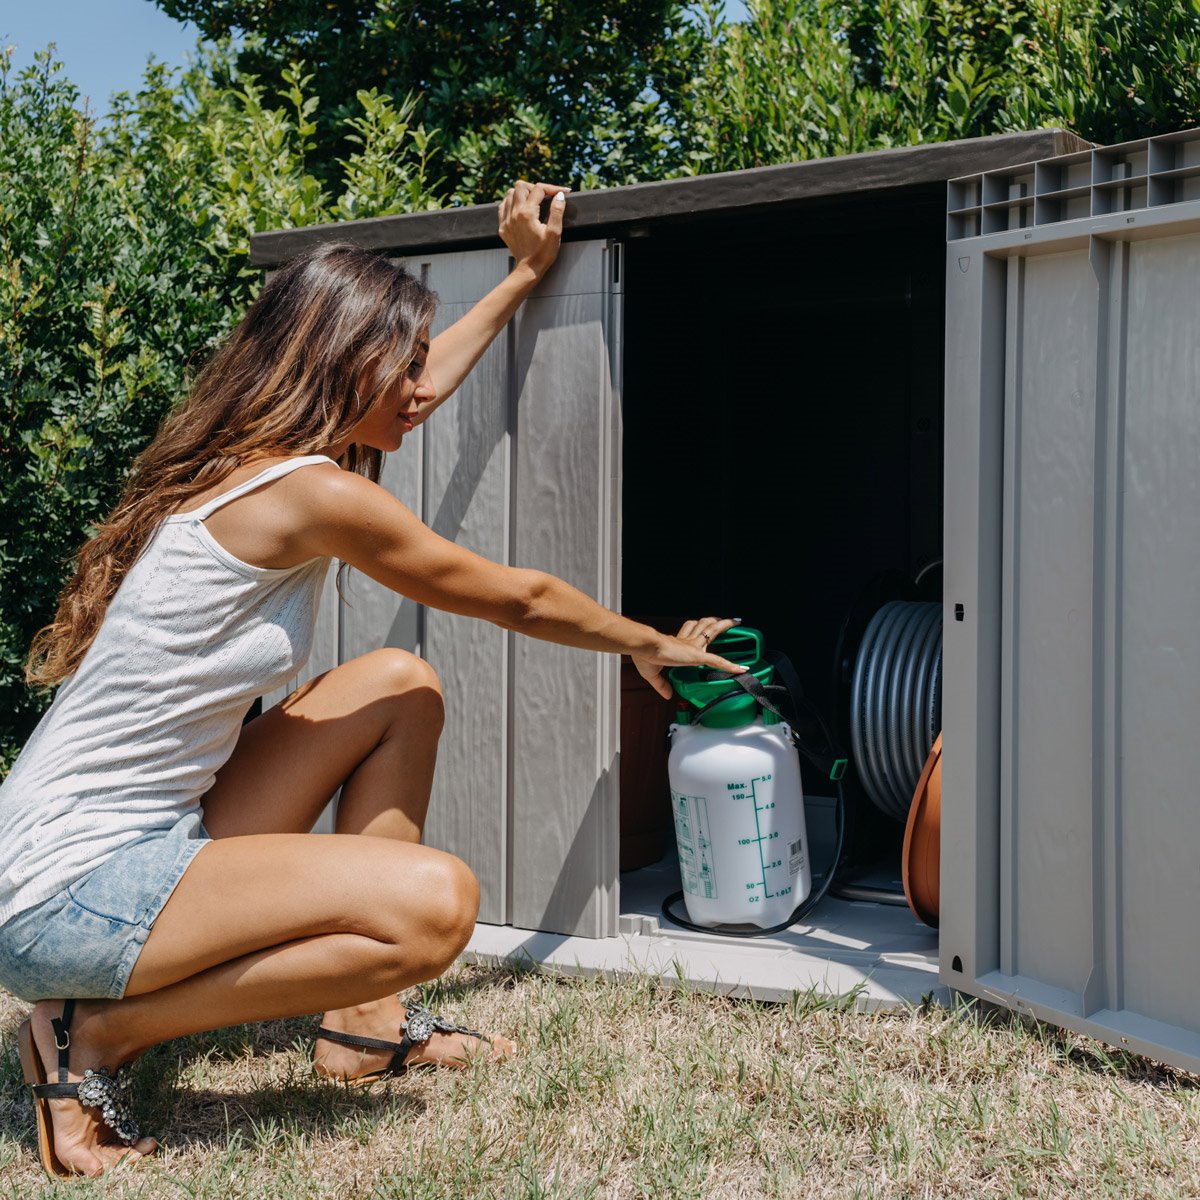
x=812, y=78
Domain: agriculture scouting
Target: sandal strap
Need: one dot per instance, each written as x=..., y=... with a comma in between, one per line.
x=353, y=1039
x=62, y=1038
x=400, y=1058
x=417, y=1020
x=53, y=1091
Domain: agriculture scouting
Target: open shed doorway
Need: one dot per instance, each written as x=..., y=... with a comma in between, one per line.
x=782, y=421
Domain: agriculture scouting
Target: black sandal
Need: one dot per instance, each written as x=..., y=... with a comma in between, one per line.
x=100, y=1089
x=419, y=1025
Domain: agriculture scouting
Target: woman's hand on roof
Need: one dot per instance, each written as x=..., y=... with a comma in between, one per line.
x=688, y=648
x=532, y=241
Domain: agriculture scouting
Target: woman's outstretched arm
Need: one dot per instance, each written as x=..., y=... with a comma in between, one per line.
x=351, y=518
x=533, y=244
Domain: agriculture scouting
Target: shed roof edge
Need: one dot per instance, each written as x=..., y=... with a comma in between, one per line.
x=595, y=213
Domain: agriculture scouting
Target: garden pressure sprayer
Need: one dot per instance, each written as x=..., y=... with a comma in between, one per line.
x=737, y=795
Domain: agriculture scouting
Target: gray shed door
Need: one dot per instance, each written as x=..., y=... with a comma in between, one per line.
x=520, y=465
x=1071, y=769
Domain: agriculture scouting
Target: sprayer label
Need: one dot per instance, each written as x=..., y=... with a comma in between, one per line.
x=695, y=849
x=796, y=856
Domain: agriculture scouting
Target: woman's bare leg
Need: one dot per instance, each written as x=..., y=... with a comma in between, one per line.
x=370, y=726
x=264, y=924
x=267, y=926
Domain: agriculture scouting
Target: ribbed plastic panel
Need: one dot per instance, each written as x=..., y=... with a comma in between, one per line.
x=1147, y=173
x=1070, y=883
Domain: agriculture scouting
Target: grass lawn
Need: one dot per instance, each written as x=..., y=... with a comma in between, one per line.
x=629, y=1088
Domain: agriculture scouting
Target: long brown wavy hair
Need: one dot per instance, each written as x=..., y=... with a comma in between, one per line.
x=283, y=382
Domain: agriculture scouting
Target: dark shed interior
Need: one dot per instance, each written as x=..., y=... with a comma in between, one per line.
x=782, y=409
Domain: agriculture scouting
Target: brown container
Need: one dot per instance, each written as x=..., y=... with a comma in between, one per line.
x=646, y=821
x=922, y=854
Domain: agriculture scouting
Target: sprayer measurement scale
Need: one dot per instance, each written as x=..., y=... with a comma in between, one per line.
x=696, y=864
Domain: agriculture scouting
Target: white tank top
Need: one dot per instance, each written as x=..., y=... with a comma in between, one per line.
x=192, y=637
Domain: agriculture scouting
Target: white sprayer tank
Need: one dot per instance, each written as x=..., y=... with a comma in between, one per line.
x=739, y=823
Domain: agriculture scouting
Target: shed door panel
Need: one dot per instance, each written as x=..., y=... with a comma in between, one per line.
x=1046, y=768
x=1070, y=878
x=565, y=701
x=1158, y=686
x=466, y=482
x=519, y=466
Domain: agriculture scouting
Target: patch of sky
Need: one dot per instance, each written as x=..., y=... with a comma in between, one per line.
x=104, y=45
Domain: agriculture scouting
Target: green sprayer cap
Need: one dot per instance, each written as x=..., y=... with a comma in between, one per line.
x=699, y=685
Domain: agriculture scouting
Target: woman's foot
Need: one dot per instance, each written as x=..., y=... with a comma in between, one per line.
x=381, y=1020
x=83, y=1143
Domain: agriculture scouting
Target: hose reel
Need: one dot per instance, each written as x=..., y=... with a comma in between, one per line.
x=896, y=701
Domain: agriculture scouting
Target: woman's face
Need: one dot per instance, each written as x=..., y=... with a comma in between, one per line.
x=395, y=410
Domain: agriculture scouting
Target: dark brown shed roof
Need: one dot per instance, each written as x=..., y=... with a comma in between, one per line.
x=614, y=210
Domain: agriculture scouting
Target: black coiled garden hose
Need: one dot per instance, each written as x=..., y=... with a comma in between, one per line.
x=896, y=701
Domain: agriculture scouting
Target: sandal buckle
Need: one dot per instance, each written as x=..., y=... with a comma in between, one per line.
x=419, y=1024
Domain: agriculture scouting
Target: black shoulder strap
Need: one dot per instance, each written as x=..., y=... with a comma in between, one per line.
x=809, y=732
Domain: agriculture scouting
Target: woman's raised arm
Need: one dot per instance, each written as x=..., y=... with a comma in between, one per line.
x=533, y=244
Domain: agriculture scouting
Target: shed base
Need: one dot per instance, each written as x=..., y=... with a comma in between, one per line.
x=880, y=949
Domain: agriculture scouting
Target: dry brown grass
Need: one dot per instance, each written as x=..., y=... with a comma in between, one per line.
x=628, y=1088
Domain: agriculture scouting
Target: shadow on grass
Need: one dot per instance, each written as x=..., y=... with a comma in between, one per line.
x=1100, y=1059
x=204, y=1117
x=1086, y=1053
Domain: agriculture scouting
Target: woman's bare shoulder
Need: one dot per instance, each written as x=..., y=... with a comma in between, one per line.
x=332, y=504
x=325, y=488
x=247, y=470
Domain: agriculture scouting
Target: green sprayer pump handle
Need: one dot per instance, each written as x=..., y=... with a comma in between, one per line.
x=824, y=757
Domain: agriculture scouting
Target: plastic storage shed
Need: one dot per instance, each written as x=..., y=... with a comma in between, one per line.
x=795, y=322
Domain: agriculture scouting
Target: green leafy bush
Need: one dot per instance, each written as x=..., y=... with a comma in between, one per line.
x=811, y=78
x=123, y=258
x=1111, y=71
x=580, y=93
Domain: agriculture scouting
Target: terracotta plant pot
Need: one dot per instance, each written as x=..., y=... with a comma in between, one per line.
x=922, y=855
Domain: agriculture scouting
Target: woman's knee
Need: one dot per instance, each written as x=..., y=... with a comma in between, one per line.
x=437, y=913
x=407, y=677
x=457, y=890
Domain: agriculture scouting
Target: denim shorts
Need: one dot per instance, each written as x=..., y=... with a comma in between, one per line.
x=83, y=942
